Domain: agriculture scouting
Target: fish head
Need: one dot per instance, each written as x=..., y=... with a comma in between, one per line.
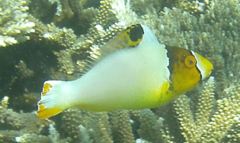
x=187, y=69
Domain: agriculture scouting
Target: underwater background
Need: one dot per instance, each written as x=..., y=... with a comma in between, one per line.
x=55, y=39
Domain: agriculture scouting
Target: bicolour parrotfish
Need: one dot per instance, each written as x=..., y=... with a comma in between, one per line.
x=143, y=74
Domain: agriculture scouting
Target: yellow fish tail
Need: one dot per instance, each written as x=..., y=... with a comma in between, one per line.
x=50, y=105
x=44, y=112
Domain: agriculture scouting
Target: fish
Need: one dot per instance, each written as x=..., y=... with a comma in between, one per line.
x=140, y=73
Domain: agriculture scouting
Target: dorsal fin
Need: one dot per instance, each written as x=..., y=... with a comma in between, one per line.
x=127, y=38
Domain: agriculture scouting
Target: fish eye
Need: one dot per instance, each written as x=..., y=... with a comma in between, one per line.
x=190, y=61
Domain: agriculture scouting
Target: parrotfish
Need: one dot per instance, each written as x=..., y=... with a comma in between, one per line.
x=142, y=74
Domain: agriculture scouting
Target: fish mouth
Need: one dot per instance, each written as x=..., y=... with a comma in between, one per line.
x=204, y=66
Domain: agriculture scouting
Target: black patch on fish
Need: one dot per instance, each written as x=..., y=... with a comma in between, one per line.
x=197, y=67
x=136, y=32
x=170, y=57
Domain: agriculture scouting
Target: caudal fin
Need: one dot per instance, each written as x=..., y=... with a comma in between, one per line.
x=49, y=105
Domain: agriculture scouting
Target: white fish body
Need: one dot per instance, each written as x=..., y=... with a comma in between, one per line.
x=126, y=77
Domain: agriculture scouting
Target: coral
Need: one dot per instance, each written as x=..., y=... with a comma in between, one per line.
x=93, y=126
x=193, y=6
x=15, y=24
x=86, y=49
x=24, y=127
x=63, y=39
x=121, y=127
x=75, y=13
x=149, y=125
x=209, y=123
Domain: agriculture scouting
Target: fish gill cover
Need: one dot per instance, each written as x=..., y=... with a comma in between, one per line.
x=53, y=39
